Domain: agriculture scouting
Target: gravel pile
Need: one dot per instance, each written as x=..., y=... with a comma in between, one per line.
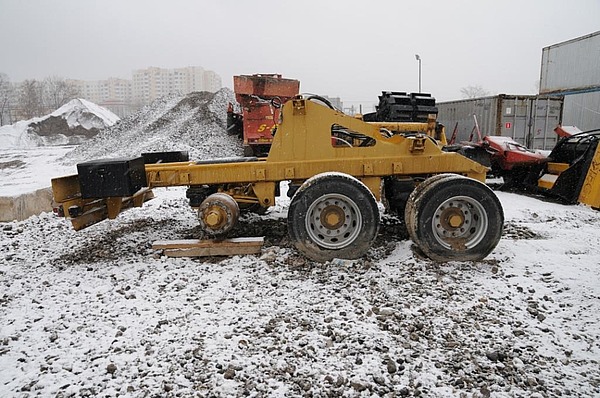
x=195, y=123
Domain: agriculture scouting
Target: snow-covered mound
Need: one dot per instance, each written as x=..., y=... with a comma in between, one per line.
x=194, y=122
x=72, y=123
x=81, y=112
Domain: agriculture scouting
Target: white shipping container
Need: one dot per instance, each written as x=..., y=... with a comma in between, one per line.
x=582, y=110
x=571, y=66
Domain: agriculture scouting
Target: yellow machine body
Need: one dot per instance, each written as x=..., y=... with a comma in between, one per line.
x=303, y=147
x=590, y=191
x=575, y=177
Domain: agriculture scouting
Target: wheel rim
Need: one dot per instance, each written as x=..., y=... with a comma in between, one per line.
x=460, y=223
x=333, y=221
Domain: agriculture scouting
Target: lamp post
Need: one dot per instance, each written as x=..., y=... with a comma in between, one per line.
x=419, y=59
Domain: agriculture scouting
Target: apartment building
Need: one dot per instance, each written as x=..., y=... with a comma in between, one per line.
x=151, y=83
x=123, y=96
x=114, y=94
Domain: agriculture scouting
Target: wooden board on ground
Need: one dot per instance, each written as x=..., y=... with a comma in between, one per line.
x=211, y=247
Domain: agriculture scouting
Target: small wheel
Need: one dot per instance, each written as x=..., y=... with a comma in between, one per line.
x=333, y=215
x=218, y=214
x=455, y=218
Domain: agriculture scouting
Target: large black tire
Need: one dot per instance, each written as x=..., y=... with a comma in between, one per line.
x=333, y=215
x=454, y=218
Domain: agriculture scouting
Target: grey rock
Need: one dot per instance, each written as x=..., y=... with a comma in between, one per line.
x=229, y=374
x=391, y=366
x=111, y=368
x=379, y=380
x=359, y=386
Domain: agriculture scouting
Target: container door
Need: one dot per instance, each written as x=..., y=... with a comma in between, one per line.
x=515, y=118
x=546, y=116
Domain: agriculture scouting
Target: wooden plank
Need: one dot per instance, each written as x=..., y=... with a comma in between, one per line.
x=212, y=251
x=209, y=247
x=194, y=243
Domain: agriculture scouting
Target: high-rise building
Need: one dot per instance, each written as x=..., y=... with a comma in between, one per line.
x=123, y=96
x=113, y=94
x=152, y=83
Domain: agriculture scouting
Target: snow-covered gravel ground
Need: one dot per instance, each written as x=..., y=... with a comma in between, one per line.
x=99, y=313
x=26, y=170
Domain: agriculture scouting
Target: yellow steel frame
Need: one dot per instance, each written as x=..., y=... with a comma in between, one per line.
x=302, y=148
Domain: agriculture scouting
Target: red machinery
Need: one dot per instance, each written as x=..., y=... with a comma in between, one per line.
x=566, y=131
x=260, y=97
x=509, y=154
x=504, y=155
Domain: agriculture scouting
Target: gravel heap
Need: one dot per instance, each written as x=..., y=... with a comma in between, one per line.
x=195, y=123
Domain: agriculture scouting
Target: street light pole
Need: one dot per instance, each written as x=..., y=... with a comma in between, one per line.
x=419, y=59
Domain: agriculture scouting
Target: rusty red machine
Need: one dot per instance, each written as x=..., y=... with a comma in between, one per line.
x=260, y=97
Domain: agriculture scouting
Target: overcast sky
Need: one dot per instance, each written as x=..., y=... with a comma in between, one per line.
x=349, y=49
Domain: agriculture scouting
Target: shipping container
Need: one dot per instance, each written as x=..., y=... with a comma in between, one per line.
x=571, y=66
x=582, y=110
x=528, y=119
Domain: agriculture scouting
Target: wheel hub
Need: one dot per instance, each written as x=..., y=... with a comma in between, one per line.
x=460, y=223
x=215, y=217
x=455, y=221
x=218, y=214
x=332, y=217
x=333, y=221
x=452, y=218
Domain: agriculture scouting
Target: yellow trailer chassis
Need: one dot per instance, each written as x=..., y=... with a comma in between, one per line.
x=316, y=145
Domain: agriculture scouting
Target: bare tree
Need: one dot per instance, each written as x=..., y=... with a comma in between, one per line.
x=30, y=98
x=6, y=94
x=58, y=91
x=474, y=92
